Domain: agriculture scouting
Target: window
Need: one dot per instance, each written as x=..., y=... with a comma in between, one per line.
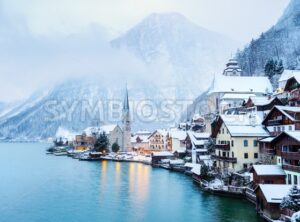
x=245, y=165
x=232, y=143
x=223, y=131
x=219, y=153
x=246, y=155
x=283, y=128
x=289, y=179
x=295, y=180
x=274, y=129
x=255, y=155
x=224, y=154
x=255, y=143
x=245, y=143
x=232, y=154
x=278, y=128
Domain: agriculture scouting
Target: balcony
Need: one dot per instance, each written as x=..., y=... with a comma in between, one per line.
x=294, y=95
x=225, y=147
x=268, y=151
x=291, y=168
x=291, y=155
x=274, y=122
x=223, y=158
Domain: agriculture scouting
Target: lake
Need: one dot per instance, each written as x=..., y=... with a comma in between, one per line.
x=39, y=187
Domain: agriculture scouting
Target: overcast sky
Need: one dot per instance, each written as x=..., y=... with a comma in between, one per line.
x=239, y=19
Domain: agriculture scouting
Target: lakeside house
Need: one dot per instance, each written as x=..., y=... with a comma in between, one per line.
x=140, y=141
x=157, y=157
x=269, y=198
x=197, y=142
x=159, y=141
x=177, y=140
x=267, y=174
x=237, y=141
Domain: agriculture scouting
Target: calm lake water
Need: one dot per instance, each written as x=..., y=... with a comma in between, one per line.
x=39, y=187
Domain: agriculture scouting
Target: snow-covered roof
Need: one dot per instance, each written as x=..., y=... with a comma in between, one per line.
x=243, y=96
x=163, y=153
x=294, y=134
x=191, y=165
x=267, y=139
x=274, y=193
x=287, y=74
x=244, y=125
x=241, y=84
x=196, y=169
x=268, y=170
x=261, y=100
x=178, y=161
x=285, y=109
x=143, y=132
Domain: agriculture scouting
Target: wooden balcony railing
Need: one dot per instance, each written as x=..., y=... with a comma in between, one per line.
x=223, y=147
x=226, y=159
x=291, y=155
x=291, y=168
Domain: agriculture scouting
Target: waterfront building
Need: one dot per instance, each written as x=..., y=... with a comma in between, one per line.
x=157, y=157
x=126, y=127
x=196, y=144
x=269, y=198
x=267, y=174
x=140, y=141
x=159, y=140
x=237, y=141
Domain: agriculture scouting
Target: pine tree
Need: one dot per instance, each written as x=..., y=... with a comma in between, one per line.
x=102, y=143
x=115, y=147
x=292, y=200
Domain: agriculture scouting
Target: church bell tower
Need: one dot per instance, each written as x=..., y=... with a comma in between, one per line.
x=126, y=121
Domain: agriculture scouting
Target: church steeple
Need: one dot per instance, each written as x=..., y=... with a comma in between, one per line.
x=126, y=124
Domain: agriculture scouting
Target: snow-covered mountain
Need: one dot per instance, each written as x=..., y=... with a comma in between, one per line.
x=282, y=41
x=179, y=61
x=192, y=52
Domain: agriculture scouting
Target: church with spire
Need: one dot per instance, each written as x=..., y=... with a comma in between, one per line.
x=126, y=124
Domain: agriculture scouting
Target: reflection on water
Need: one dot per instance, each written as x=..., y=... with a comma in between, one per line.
x=39, y=187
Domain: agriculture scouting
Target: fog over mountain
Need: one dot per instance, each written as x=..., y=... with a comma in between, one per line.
x=163, y=57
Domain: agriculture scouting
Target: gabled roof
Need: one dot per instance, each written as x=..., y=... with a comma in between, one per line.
x=274, y=193
x=267, y=139
x=162, y=132
x=287, y=74
x=261, y=100
x=268, y=170
x=241, y=84
x=243, y=126
x=293, y=134
x=284, y=110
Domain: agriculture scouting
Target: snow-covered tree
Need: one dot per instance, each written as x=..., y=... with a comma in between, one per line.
x=292, y=200
x=296, y=217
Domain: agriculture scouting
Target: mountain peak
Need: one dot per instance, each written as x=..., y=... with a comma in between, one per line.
x=291, y=15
